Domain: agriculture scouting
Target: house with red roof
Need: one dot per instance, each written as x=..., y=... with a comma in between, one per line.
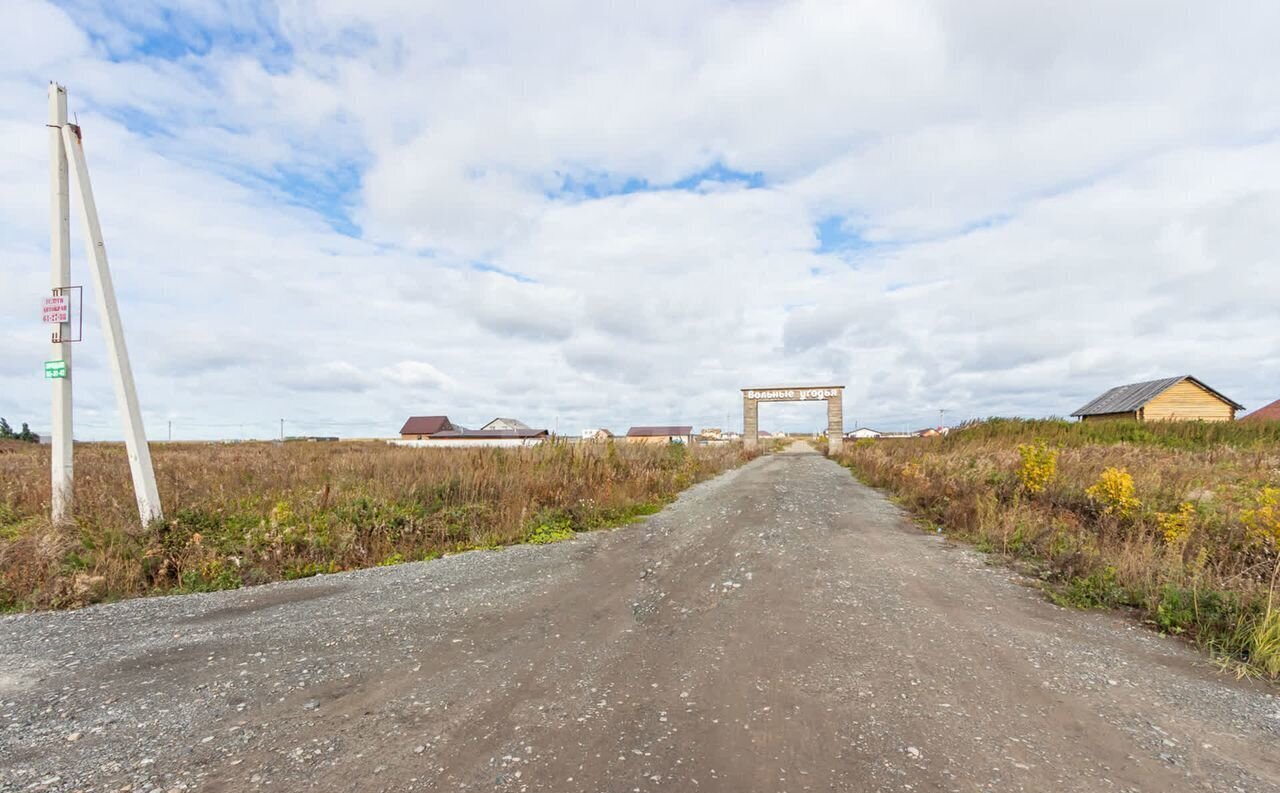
x=420, y=427
x=1265, y=413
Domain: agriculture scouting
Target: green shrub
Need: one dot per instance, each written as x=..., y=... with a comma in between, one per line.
x=309, y=569
x=210, y=577
x=1099, y=589
x=550, y=526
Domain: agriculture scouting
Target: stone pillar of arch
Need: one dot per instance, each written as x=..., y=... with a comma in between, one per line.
x=750, y=421
x=835, y=423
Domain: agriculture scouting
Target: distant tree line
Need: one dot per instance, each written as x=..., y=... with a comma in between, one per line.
x=7, y=433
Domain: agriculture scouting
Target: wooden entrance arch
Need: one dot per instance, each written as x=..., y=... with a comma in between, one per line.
x=833, y=394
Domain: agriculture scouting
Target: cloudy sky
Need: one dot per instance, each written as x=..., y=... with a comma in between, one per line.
x=341, y=212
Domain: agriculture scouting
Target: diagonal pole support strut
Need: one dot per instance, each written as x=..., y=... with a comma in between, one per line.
x=135, y=437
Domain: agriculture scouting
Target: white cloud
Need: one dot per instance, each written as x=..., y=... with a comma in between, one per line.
x=417, y=373
x=1046, y=201
x=38, y=36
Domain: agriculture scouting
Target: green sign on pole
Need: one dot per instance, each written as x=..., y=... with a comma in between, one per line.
x=55, y=370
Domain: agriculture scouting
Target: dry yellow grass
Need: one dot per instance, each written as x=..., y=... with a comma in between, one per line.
x=1177, y=521
x=255, y=512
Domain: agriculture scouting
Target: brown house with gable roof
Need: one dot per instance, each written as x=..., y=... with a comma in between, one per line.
x=419, y=427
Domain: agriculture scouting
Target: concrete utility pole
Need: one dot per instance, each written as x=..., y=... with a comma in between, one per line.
x=63, y=492
x=135, y=438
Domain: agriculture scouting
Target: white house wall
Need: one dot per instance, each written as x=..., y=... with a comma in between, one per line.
x=468, y=442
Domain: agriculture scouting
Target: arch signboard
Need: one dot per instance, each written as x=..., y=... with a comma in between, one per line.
x=832, y=394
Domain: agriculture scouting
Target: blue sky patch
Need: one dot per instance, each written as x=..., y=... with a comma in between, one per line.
x=592, y=185
x=134, y=32
x=167, y=44
x=134, y=120
x=485, y=267
x=331, y=193
x=989, y=222
x=717, y=172
x=835, y=236
x=330, y=190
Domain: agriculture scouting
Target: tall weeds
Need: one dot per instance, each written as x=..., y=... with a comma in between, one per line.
x=1179, y=521
x=255, y=512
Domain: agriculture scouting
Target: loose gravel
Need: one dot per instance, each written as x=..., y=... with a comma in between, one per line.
x=779, y=628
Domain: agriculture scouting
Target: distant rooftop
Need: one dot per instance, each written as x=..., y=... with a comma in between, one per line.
x=465, y=434
x=509, y=422
x=651, y=432
x=426, y=425
x=1265, y=413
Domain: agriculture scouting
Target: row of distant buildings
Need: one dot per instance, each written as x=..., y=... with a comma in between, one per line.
x=1181, y=398
x=866, y=432
x=440, y=431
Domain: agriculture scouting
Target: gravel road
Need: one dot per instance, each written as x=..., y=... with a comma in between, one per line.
x=780, y=628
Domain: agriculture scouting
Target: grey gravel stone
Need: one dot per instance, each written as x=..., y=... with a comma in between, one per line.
x=792, y=631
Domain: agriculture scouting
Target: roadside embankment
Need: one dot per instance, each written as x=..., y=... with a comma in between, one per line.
x=1180, y=522
x=250, y=513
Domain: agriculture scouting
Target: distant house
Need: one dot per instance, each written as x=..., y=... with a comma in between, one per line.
x=715, y=436
x=419, y=427
x=597, y=434
x=1172, y=399
x=464, y=437
x=671, y=434
x=1267, y=413
x=506, y=424
x=863, y=432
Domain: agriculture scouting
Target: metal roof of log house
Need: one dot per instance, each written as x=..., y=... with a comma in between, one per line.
x=1128, y=398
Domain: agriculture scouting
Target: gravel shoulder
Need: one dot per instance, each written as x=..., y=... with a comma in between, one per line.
x=781, y=628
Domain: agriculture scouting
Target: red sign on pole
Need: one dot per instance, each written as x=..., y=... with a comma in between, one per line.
x=56, y=310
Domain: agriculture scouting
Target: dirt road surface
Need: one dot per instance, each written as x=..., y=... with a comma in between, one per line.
x=781, y=628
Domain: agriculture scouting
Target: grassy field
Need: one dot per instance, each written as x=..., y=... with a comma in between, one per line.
x=1180, y=522
x=257, y=512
